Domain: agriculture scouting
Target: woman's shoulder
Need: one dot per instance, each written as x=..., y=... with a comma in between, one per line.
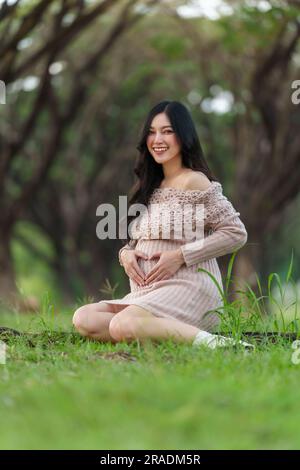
x=193, y=186
x=196, y=181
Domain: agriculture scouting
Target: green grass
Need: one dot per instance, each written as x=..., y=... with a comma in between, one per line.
x=66, y=392
x=70, y=393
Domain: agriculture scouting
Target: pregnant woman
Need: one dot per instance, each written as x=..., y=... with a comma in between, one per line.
x=168, y=297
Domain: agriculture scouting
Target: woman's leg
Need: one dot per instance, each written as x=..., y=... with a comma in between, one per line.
x=135, y=322
x=93, y=320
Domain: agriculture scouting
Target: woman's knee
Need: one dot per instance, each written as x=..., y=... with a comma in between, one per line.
x=79, y=319
x=124, y=327
x=90, y=319
x=82, y=316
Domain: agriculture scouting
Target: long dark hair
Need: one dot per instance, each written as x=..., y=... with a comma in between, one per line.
x=149, y=172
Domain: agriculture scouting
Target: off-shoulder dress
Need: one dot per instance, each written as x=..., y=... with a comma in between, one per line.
x=189, y=295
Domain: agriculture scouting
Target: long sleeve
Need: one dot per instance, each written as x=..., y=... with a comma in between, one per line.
x=129, y=246
x=229, y=232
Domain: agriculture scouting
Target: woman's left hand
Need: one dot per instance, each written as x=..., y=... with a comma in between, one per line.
x=169, y=263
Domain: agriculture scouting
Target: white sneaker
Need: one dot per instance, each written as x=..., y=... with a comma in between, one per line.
x=214, y=341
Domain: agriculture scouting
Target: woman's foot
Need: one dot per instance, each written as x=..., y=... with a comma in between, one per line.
x=213, y=341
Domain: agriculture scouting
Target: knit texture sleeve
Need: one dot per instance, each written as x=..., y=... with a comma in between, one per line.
x=129, y=246
x=228, y=231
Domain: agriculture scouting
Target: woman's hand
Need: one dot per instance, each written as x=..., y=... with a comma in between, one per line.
x=130, y=264
x=169, y=263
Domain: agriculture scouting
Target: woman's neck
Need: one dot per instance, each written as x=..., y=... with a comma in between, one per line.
x=179, y=174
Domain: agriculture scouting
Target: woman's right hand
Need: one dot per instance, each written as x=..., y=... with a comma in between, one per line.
x=130, y=264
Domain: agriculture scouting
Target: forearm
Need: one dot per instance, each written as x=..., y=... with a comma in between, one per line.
x=227, y=238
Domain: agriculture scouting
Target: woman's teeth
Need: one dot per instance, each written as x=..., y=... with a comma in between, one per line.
x=160, y=150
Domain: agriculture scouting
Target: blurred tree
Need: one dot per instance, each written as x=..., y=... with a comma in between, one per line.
x=97, y=150
x=253, y=53
x=51, y=27
x=198, y=64
x=267, y=135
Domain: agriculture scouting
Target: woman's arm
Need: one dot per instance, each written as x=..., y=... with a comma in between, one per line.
x=229, y=235
x=229, y=232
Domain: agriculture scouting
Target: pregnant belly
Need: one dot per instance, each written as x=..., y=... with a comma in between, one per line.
x=149, y=247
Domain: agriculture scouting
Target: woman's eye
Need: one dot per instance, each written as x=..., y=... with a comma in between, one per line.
x=169, y=130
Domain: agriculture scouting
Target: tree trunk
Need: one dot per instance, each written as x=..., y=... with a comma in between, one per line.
x=8, y=287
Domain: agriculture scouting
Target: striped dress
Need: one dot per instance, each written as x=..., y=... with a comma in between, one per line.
x=189, y=295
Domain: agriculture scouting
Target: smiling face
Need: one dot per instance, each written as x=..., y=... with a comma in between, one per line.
x=162, y=141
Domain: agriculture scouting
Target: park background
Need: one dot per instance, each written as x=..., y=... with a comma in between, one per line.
x=80, y=78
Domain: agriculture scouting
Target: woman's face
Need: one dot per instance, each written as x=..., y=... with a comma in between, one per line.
x=162, y=142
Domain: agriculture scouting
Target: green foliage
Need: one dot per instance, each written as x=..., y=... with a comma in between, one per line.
x=34, y=275
x=275, y=311
x=158, y=60
x=170, y=46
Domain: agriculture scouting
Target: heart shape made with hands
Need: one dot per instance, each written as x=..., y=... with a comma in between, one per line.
x=154, y=255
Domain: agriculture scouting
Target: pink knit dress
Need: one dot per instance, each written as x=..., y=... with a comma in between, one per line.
x=188, y=295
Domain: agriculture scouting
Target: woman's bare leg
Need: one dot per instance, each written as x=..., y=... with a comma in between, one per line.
x=135, y=322
x=93, y=320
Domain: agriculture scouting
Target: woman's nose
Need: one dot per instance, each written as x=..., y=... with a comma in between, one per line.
x=157, y=138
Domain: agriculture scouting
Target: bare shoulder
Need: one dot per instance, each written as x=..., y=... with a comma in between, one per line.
x=196, y=180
